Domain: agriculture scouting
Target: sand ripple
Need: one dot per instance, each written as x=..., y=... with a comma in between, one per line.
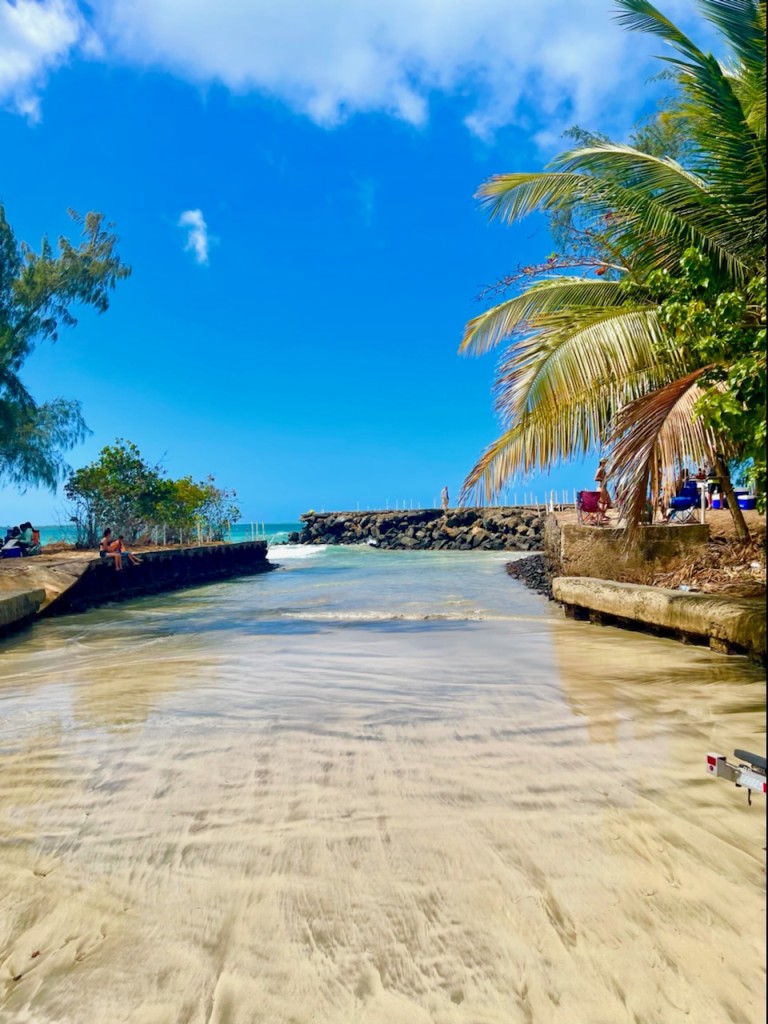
x=437, y=826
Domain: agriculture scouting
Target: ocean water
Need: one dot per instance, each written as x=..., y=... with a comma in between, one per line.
x=373, y=786
x=240, y=532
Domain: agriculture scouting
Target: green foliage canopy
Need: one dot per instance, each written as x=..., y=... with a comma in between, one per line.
x=38, y=292
x=724, y=330
x=123, y=491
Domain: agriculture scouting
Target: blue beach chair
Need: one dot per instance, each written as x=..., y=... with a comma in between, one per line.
x=683, y=507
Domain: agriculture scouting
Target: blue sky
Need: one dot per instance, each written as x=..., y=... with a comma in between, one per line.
x=293, y=186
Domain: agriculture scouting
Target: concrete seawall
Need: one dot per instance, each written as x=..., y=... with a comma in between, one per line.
x=72, y=581
x=602, y=553
x=19, y=607
x=730, y=625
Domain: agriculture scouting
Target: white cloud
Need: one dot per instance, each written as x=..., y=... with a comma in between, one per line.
x=197, y=237
x=330, y=59
x=35, y=37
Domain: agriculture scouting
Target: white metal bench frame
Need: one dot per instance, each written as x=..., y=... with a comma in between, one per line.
x=748, y=775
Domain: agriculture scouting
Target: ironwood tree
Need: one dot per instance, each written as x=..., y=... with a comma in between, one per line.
x=39, y=292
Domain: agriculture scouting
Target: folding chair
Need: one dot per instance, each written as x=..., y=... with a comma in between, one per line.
x=588, y=510
x=683, y=507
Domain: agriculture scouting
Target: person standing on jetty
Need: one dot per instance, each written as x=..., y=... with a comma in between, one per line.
x=444, y=498
x=604, y=501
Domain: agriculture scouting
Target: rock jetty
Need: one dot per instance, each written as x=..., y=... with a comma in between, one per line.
x=534, y=572
x=461, y=529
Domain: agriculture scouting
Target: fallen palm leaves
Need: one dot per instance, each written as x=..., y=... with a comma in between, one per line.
x=722, y=567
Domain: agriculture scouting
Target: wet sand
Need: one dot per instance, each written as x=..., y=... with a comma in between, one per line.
x=384, y=826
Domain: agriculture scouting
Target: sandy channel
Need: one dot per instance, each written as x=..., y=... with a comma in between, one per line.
x=441, y=826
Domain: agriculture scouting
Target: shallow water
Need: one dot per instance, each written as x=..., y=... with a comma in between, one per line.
x=375, y=787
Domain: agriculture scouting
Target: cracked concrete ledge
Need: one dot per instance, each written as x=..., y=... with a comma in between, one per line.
x=19, y=607
x=731, y=625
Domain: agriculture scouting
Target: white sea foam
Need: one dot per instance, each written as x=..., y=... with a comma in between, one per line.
x=290, y=552
x=369, y=615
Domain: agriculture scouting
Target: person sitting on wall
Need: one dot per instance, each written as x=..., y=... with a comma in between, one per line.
x=11, y=541
x=109, y=547
x=119, y=547
x=35, y=547
x=25, y=538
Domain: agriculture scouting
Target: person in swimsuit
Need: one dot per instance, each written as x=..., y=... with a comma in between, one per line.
x=111, y=548
x=118, y=547
x=604, y=501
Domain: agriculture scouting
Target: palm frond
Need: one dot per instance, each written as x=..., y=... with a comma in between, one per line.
x=642, y=16
x=648, y=219
x=731, y=153
x=658, y=428
x=683, y=193
x=740, y=23
x=511, y=197
x=728, y=153
x=755, y=107
x=495, y=325
x=539, y=441
x=589, y=361
x=574, y=351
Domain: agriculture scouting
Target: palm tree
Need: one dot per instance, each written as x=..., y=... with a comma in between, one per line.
x=589, y=360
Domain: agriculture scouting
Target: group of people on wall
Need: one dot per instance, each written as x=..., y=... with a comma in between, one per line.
x=110, y=547
x=20, y=540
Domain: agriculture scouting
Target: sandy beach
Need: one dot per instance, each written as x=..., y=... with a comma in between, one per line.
x=432, y=823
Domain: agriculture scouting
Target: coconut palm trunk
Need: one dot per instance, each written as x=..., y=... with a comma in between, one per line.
x=726, y=489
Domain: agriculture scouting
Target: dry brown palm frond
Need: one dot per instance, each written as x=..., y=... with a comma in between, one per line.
x=722, y=566
x=660, y=428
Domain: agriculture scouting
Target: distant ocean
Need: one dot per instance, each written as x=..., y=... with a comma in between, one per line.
x=274, y=533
